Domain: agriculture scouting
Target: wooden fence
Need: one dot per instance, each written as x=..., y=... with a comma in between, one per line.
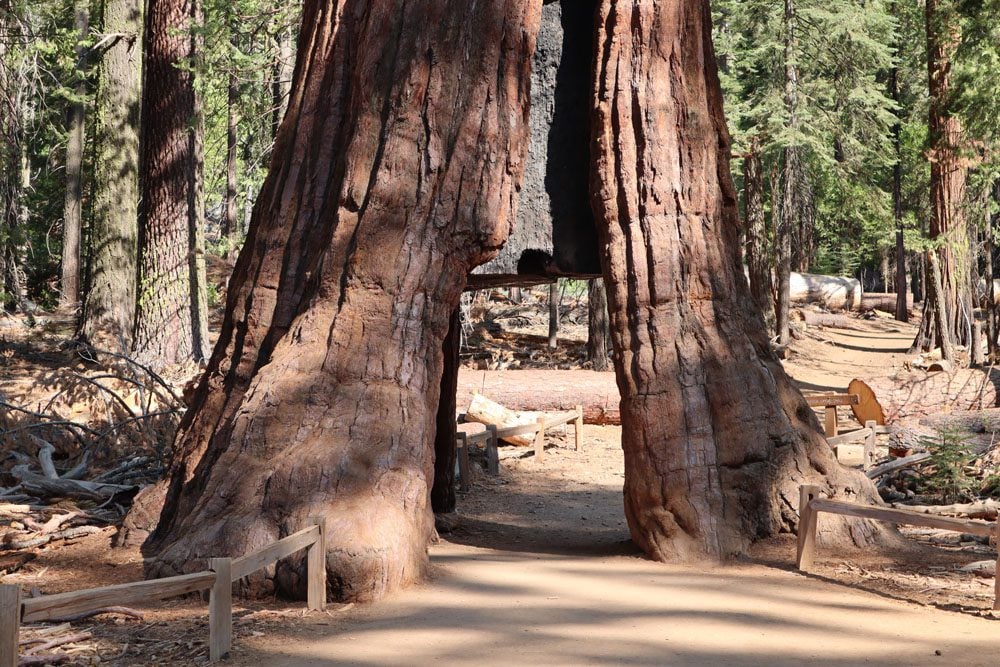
x=811, y=504
x=219, y=578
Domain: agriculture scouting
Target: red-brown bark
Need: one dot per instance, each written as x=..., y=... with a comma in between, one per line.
x=395, y=172
x=948, y=226
x=716, y=437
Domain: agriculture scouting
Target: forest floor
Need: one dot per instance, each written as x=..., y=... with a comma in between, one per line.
x=537, y=566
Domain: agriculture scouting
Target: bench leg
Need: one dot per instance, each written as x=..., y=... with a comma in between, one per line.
x=831, y=421
x=540, y=439
x=578, y=426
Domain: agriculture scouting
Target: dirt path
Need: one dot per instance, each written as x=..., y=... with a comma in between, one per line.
x=539, y=571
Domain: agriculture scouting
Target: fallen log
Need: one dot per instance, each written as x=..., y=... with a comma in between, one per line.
x=983, y=509
x=547, y=391
x=898, y=464
x=486, y=411
x=832, y=292
x=832, y=320
x=919, y=394
x=884, y=301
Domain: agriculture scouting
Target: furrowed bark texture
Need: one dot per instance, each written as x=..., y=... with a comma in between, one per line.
x=109, y=299
x=395, y=173
x=948, y=226
x=758, y=258
x=166, y=330
x=69, y=285
x=716, y=437
x=598, y=325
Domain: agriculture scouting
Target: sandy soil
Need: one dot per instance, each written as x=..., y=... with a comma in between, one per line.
x=537, y=567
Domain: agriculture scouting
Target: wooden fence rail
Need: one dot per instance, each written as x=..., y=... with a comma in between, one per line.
x=218, y=579
x=811, y=504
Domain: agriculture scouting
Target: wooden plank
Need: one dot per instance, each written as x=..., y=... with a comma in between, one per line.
x=903, y=516
x=898, y=464
x=830, y=421
x=272, y=554
x=316, y=567
x=871, y=453
x=996, y=576
x=831, y=400
x=540, y=439
x=522, y=429
x=492, y=451
x=578, y=427
x=220, y=610
x=850, y=436
x=140, y=592
x=10, y=621
x=806, y=542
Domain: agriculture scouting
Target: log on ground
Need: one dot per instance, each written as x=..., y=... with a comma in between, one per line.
x=547, y=391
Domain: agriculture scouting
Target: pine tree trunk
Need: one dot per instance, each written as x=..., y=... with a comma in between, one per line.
x=554, y=315
x=69, y=286
x=716, y=437
x=758, y=260
x=170, y=209
x=229, y=221
x=395, y=173
x=948, y=227
x=110, y=297
x=598, y=325
x=788, y=222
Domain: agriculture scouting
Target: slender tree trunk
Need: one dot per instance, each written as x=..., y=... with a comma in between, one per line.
x=281, y=77
x=788, y=224
x=598, y=325
x=993, y=319
x=758, y=256
x=395, y=172
x=902, y=312
x=69, y=287
x=554, y=315
x=948, y=227
x=229, y=221
x=166, y=325
x=110, y=297
x=717, y=439
x=443, y=490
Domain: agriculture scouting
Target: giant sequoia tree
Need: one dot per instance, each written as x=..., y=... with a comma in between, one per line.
x=716, y=437
x=395, y=173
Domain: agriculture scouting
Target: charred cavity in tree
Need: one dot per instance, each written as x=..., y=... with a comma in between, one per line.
x=555, y=234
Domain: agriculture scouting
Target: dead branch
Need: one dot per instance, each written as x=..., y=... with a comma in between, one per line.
x=124, y=611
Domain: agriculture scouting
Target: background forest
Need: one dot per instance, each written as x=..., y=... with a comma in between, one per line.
x=829, y=106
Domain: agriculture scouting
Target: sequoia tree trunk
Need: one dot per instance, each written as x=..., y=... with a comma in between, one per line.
x=167, y=318
x=717, y=439
x=948, y=227
x=443, y=490
x=109, y=300
x=395, y=172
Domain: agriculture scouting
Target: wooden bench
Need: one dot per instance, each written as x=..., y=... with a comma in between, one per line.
x=830, y=402
x=491, y=436
x=811, y=504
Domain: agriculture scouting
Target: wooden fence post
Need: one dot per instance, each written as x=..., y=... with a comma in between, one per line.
x=220, y=610
x=578, y=426
x=807, y=526
x=996, y=577
x=316, y=566
x=870, y=452
x=464, y=469
x=10, y=622
x=492, y=451
x=977, y=343
x=540, y=439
